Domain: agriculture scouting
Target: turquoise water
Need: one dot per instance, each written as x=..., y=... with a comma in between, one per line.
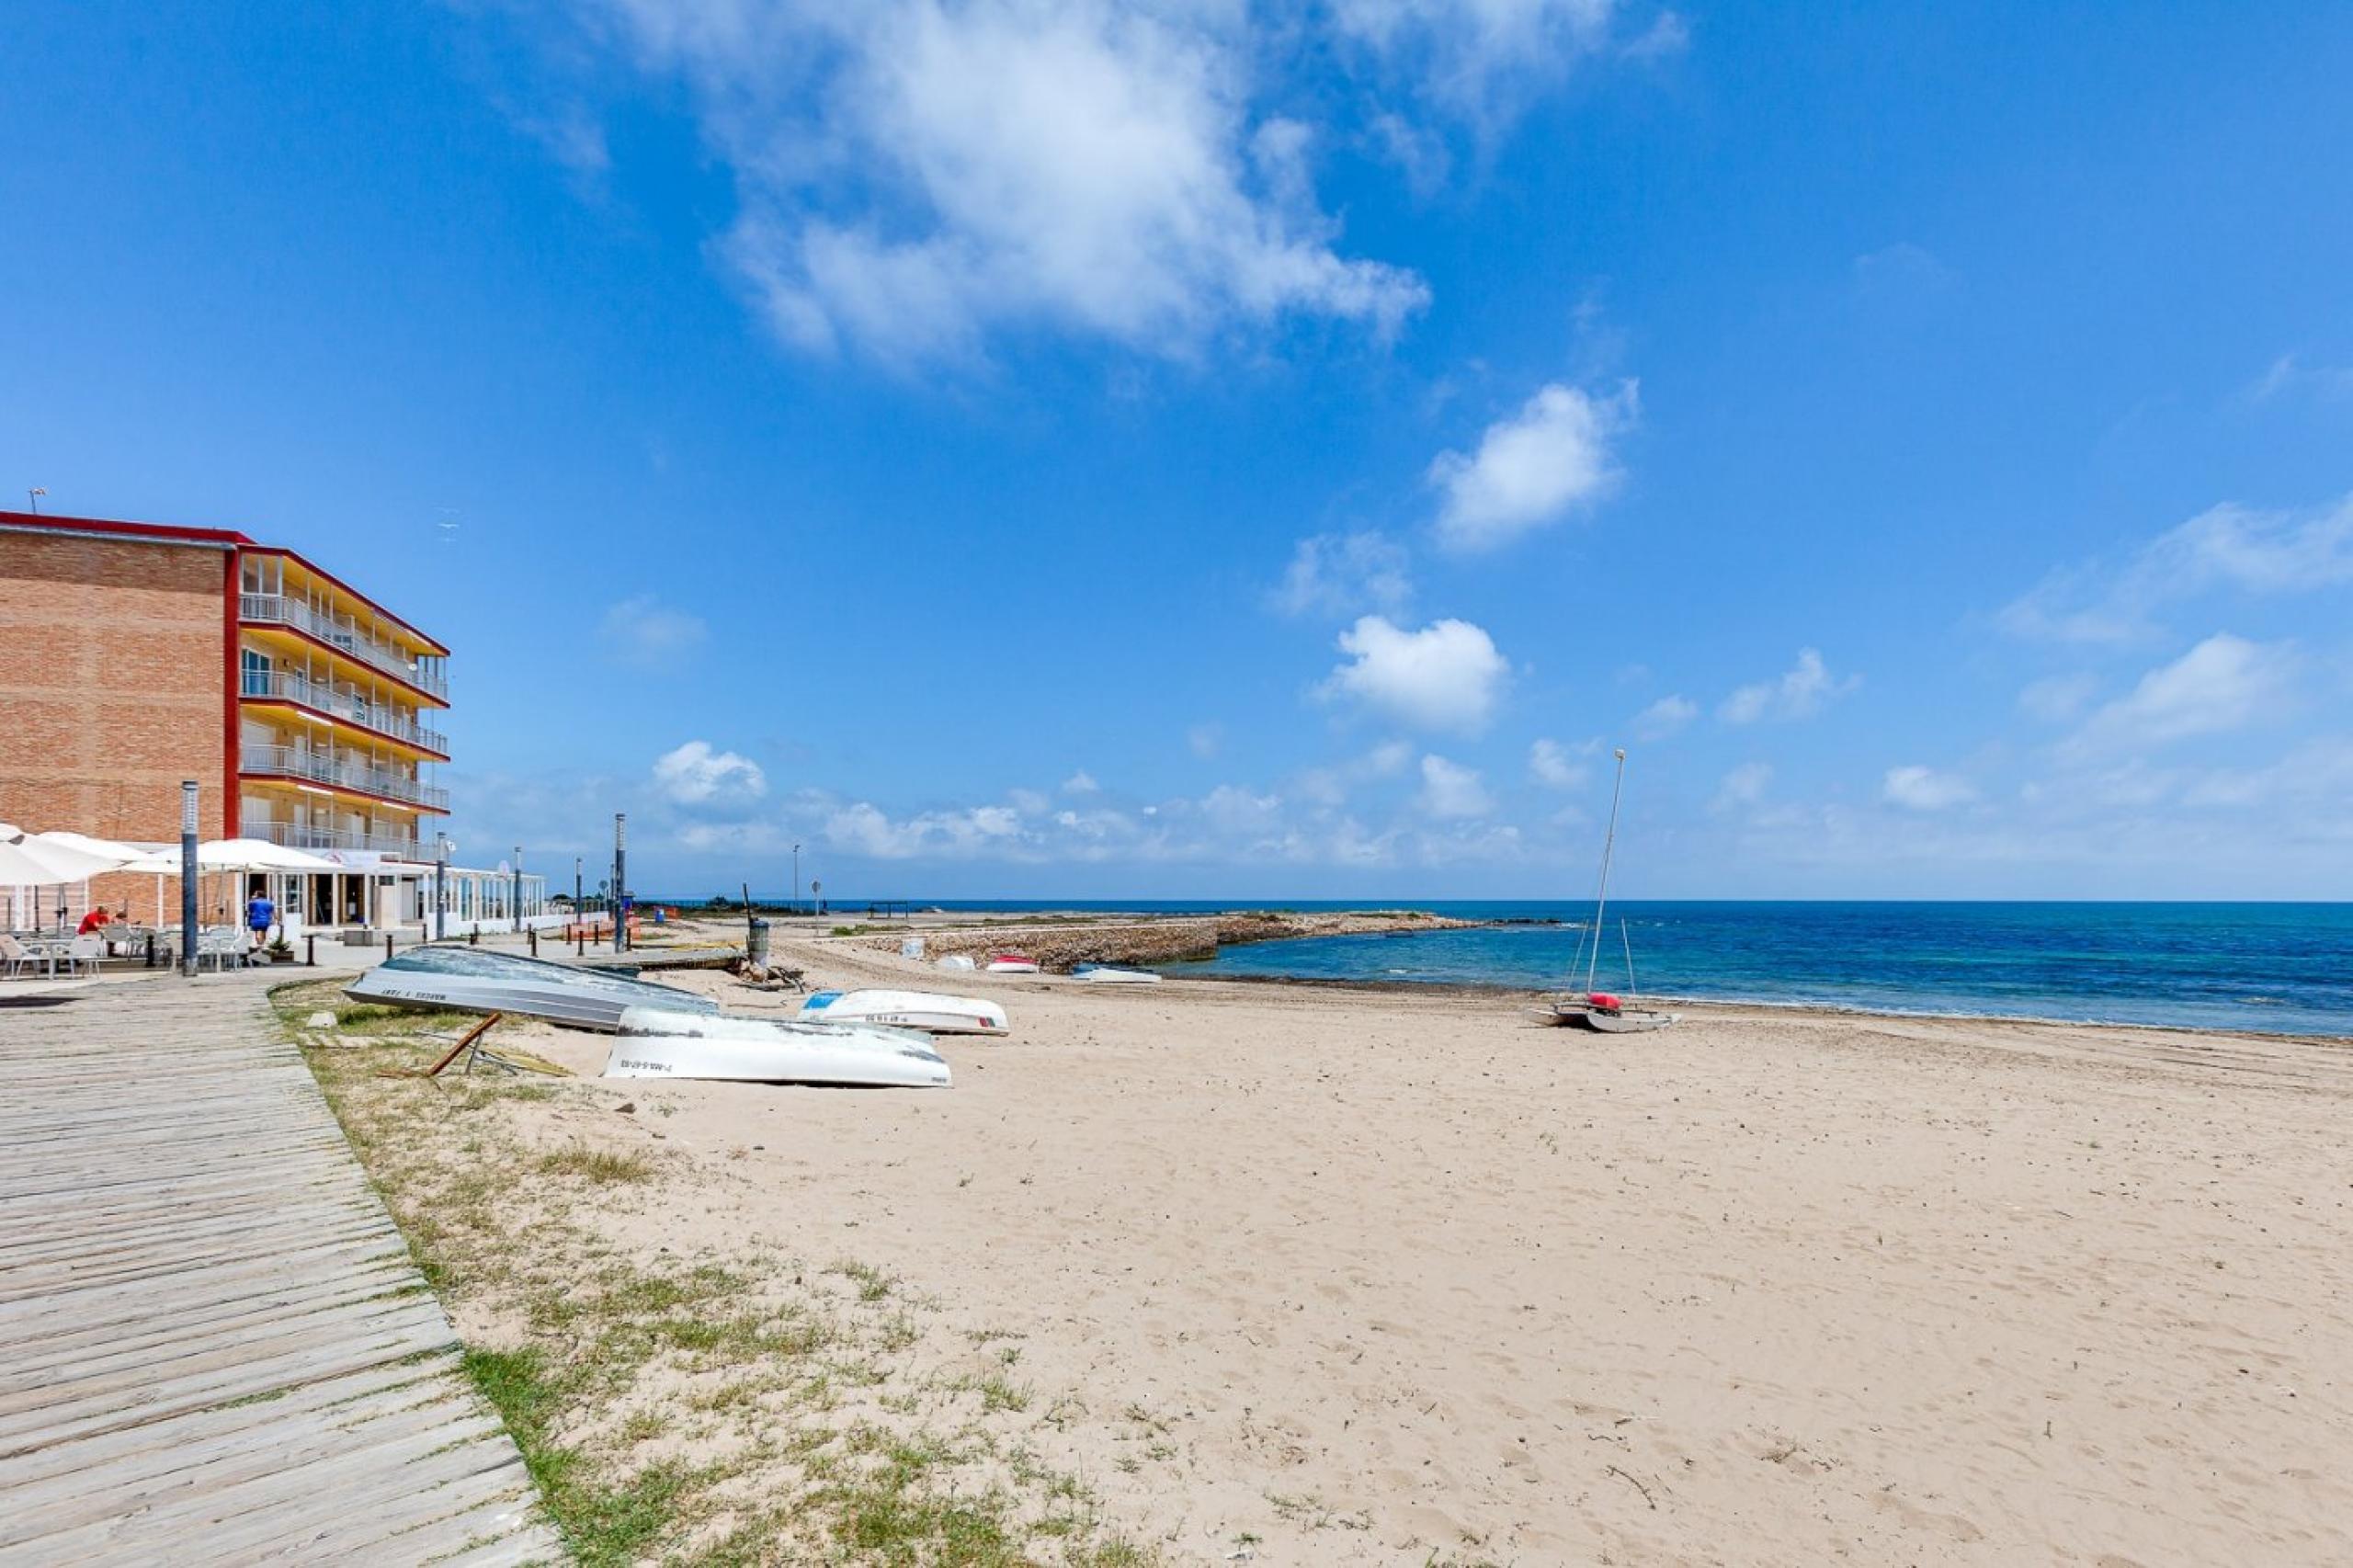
x=2283, y=967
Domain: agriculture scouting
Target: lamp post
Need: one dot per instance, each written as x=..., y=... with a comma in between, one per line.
x=187, y=877
x=440, y=886
x=517, y=905
x=621, y=881
x=32, y=497
x=576, y=889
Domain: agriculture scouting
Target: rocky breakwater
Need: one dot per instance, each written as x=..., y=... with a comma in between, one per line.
x=1059, y=947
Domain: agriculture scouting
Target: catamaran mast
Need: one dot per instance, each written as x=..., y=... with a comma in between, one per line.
x=1601, y=897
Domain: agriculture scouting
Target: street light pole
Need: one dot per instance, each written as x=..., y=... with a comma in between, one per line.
x=440, y=886
x=187, y=877
x=576, y=889
x=621, y=881
x=518, y=910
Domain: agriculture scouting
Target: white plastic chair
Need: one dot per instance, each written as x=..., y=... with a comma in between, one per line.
x=83, y=952
x=20, y=958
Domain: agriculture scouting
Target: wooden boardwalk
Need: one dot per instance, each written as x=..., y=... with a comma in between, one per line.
x=213, y=1345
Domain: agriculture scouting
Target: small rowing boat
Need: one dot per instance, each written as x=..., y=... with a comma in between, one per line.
x=476, y=980
x=925, y=1010
x=1011, y=963
x=657, y=1043
x=1111, y=974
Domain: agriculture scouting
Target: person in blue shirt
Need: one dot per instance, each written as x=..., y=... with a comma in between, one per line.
x=259, y=915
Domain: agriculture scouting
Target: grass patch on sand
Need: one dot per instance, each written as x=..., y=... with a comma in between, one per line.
x=687, y=1407
x=597, y=1164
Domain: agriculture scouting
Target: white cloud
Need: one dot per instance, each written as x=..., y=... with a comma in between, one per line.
x=2055, y=699
x=1667, y=34
x=2224, y=683
x=1450, y=791
x=1205, y=740
x=916, y=177
x=1080, y=783
x=1448, y=676
x=976, y=832
x=1743, y=786
x=641, y=630
x=1666, y=716
x=696, y=775
x=1798, y=694
x=1344, y=575
x=2226, y=547
x=1555, y=767
x=1926, y=789
x=1232, y=809
x=1477, y=58
x=1533, y=469
x=2288, y=374
x=1332, y=786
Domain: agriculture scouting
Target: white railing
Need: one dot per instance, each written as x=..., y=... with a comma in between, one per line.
x=376, y=716
x=277, y=610
x=287, y=762
x=297, y=836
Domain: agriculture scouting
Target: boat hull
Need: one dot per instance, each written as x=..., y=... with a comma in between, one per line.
x=656, y=1043
x=468, y=980
x=1106, y=975
x=928, y=1011
x=1620, y=1020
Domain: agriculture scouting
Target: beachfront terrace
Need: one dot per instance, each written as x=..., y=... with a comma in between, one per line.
x=341, y=702
x=342, y=633
x=302, y=835
x=339, y=772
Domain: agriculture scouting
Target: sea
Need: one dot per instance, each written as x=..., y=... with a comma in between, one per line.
x=2285, y=968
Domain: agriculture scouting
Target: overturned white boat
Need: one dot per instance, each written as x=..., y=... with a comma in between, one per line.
x=1011, y=963
x=925, y=1010
x=1111, y=975
x=657, y=1043
x=472, y=980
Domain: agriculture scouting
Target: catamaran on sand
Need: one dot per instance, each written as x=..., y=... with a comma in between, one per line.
x=1604, y=1011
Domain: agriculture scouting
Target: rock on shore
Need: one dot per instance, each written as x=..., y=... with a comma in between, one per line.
x=1057, y=948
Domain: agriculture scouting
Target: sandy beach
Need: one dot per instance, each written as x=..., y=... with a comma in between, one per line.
x=1326, y=1274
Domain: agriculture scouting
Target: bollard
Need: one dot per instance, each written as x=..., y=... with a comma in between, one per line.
x=579, y=940
x=388, y=944
x=535, y=942
x=474, y=938
x=150, y=950
x=310, y=950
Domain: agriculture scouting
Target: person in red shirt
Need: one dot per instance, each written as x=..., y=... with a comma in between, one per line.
x=92, y=921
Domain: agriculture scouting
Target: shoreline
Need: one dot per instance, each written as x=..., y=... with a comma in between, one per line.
x=1725, y=1007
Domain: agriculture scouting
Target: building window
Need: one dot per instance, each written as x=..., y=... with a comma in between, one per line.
x=256, y=667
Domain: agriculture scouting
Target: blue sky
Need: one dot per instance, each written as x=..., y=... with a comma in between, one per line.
x=1214, y=449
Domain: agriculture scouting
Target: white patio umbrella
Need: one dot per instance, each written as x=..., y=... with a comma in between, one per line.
x=34, y=860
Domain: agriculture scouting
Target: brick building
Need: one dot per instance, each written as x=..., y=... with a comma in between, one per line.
x=138, y=655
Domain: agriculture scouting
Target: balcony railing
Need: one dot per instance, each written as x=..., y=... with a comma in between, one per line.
x=376, y=716
x=295, y=835
x=287, y=762
x=277, y=610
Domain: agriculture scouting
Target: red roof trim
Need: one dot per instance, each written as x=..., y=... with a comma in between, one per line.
x=216, y=539
x=162, y=533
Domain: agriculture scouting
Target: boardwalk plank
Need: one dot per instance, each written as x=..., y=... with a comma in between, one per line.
x=219, y=1348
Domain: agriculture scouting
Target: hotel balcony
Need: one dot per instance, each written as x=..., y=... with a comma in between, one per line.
x=337, y=773
x=285, y=686
x=299, y=835
x=277, y=610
